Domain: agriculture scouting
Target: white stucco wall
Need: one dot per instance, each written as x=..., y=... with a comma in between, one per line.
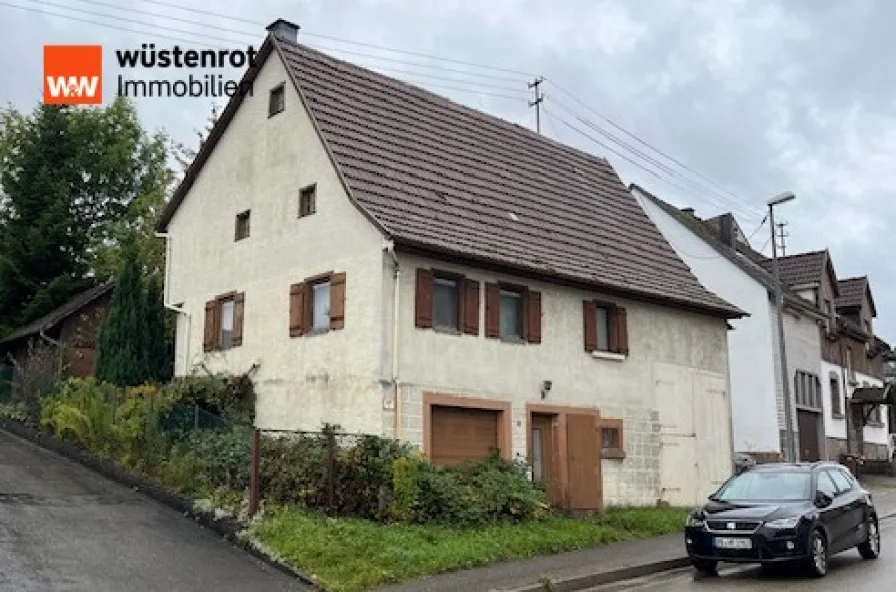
x=802, y=339
x=751, y=354
x=834, y=427
x=664, y=342
x=260, y=164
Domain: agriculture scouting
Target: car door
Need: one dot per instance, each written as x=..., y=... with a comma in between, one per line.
x=833, y=515
x=854, y=507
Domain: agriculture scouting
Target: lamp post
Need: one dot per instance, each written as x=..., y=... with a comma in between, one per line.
x=789, y=444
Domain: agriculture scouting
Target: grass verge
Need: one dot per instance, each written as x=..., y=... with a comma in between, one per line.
x=348, y=554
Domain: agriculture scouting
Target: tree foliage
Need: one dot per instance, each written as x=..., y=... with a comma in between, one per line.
x=74, y=183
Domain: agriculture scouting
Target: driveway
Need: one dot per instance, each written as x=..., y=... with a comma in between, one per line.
x=63, y=527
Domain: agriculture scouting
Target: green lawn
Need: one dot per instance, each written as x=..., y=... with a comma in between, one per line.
x=348, y=554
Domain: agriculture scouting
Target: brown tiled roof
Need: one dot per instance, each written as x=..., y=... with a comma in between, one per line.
x=852, y=292
x=796, y=270
x=52, y=318
x=438, y=175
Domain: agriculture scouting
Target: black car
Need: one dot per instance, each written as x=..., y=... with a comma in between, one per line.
x=780, y=512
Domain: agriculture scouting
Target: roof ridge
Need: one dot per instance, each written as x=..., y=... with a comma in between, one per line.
x=491, y=118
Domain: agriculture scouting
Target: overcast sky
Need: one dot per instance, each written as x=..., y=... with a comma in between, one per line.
x=760, y=96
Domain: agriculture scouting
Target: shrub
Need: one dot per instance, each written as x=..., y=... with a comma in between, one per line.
x=232, y=397
x=14, y=411
x=222, y=457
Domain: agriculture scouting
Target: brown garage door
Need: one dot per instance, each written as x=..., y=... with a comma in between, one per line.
x=460, y=434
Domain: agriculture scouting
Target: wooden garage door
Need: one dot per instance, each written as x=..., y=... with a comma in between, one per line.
x=460, y=434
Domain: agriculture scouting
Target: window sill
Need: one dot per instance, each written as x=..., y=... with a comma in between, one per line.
x=446, y=330
x=874, y=424
x=837, y=416
x=602, y=355
x=513, y=340
x=613, y=454
x=314, y=332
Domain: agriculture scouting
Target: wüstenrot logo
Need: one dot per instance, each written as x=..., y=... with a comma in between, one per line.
x=73, y=74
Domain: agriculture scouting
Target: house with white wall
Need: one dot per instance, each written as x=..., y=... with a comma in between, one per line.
x=398, y=264
x=718, y=253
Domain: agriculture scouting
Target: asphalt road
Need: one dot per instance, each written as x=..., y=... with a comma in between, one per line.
x=846, y=571
x=63, y=527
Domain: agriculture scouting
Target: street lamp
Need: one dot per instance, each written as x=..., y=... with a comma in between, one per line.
x=789, y=444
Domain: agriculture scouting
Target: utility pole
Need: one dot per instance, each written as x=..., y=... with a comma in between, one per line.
x=790, y=454
x=535, y=84
x=782, y=236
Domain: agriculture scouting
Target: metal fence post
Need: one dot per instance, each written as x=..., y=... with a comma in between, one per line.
x=254, y=471
x=195, y=416
x=331, y=469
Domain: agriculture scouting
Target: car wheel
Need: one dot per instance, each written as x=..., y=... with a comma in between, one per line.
x=706, y=566
x=870, y=549
x=817, y=563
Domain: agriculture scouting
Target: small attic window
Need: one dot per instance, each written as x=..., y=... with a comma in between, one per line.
x=242, y=226
x=277, y=100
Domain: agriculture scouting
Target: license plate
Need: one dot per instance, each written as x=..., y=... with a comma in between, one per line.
x=727, y=543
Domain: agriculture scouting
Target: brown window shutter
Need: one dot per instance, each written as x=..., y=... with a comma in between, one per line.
x=620, y=328
x=337, y=301
x=590, y=317
x=297, y=309
x=210, y=339
x=239, y=301
x=423, y=299
x=471, y=307
x=533, y=317
x=492, y=311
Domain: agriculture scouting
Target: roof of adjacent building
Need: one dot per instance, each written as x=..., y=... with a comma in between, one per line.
x=447, y=179
x=852, y=293
x=800, y=269
x=742, y=255
x=56, y=316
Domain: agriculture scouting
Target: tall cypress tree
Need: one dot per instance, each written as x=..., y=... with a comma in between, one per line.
x=121, y=354
x=158, y=366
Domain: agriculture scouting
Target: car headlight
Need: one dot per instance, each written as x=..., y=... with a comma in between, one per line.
x=784, y=522
x=694, y=522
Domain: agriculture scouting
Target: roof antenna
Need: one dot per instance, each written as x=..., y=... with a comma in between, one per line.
x=537, y=102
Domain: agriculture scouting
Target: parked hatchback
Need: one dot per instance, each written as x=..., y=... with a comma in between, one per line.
x=781, y=512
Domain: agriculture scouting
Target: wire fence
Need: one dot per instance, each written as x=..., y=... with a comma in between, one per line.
x=332, y=471
x=6, y=374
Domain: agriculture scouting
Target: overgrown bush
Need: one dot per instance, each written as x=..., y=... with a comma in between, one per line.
x=230, y=396
x=221, y=457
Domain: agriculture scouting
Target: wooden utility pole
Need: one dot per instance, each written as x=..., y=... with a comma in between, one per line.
x=535, y=85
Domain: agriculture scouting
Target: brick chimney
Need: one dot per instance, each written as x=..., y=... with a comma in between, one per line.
x=284, y=30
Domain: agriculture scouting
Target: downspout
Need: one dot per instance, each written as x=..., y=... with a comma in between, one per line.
x=396, y=294
x=167, y=303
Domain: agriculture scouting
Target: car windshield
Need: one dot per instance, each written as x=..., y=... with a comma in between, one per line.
x=766, y=486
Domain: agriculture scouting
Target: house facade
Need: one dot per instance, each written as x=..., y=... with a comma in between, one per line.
x=718, y=253
x=395, y=263
x=851, y=355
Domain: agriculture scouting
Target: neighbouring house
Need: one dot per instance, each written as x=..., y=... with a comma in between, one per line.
x=719, y=254
x=851, y=354
x=399, y=264
x=72, y=328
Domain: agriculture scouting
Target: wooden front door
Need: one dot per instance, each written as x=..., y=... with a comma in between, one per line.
x=583, y=458
x=543, y=439
x=808, y=425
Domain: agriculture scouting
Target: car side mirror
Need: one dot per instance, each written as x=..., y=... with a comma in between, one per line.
x=823, y=500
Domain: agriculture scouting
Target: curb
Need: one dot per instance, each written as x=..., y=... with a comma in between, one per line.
x=226, y=527
x=619, y=575
x=606, y=577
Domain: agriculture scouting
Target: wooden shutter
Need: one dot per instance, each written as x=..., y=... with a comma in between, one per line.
x=533, y=317
x=590, y=317
x=619, y=331
x=492, y=311
x=471, y=307
x=210, y=339
x=297, y=296
x=423, y=299
x=337, y=301
x=239, y=301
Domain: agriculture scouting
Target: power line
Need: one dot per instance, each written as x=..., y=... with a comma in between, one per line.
x=691, y=187
x=642, y=141
x=333, y=38
x=717, y=199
